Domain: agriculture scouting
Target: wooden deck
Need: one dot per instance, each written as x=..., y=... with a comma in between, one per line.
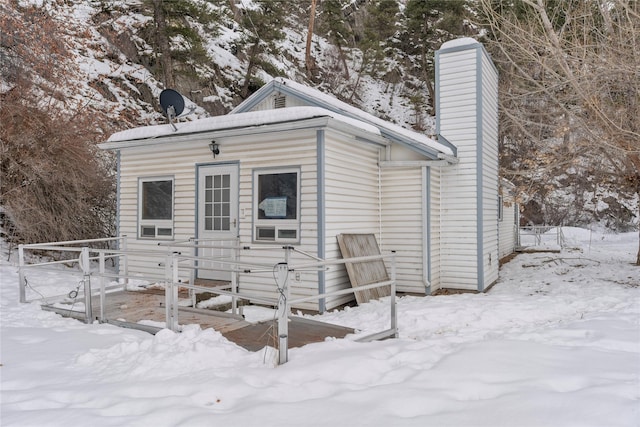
x=141, y=309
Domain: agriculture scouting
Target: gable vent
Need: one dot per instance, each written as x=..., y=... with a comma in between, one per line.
x=280, y=101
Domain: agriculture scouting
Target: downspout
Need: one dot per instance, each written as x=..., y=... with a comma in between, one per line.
x=381, y=244
x=118, y=206
x=321, y=206
x=426, y=227
x=479, y=173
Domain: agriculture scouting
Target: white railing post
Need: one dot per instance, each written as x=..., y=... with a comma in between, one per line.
x=171, y=293
x=168, y=292
x=394, y=313
x=234, y=276
x=21, y=278
x=102, y=284
x=124, y=271
x=192, y=271
x=85, y=265
x=174, y=292
x=283, y=311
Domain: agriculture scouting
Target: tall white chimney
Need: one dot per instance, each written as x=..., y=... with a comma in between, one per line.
x=467, y=117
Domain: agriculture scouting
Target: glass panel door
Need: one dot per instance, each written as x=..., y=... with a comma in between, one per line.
x=217, y=218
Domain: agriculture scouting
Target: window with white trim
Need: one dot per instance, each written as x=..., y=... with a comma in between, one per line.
x=155, y=207
x=276, y=204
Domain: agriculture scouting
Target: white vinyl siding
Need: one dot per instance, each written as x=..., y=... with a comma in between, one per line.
x=402, y=219
x=351, y=200
x=277, y=151
x=296, y=148
x=490, y=169
x=457, y=116
x=434, y=231
x=470, y=188
x=507, y=228
x=141, y=162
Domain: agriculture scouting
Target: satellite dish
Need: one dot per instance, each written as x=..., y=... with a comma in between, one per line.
x=172, y=104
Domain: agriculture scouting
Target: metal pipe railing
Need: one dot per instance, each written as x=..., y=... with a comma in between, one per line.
x=284, y=303
x=69, y=242
x=174, y=261
x=539, y=232
x=58, y=247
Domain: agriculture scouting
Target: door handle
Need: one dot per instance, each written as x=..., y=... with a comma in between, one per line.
x=234, y=223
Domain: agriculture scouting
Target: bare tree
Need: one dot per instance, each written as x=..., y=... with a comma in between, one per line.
x=54, y=182
x=264, y=22
x=162, y=40
x=571, y=78
x=308, y=59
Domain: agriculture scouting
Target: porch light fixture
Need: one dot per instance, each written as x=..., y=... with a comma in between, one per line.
x=215, y=148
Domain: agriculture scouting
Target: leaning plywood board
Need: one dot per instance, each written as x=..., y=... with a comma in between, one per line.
x=367, y=272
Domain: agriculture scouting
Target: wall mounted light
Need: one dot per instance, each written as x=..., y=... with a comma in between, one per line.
x=215, y=148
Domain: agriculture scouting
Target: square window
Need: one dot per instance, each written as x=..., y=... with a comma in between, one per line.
x=157, y=199
x=278, y=196
x=276, y=201
x=155, y=207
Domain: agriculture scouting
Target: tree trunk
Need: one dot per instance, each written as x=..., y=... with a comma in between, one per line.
x=638, y=257
x=343, y=59
x=163, y=51
x=308, y=60
x=237, y=15
x=253, y=52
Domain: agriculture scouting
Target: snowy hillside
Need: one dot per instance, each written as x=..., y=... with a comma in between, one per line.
x=103, y=62
x=555, y=342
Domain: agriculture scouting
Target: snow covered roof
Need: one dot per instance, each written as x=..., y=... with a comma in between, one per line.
x=233, y=121
x=415, y=140
x=462, y=41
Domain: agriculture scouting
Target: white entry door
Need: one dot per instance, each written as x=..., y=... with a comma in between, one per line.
x=217, y=218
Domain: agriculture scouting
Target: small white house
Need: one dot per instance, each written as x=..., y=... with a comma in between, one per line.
x=296, y=166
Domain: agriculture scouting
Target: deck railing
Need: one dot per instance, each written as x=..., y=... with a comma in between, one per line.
x=181, y=256
x=77, y=254
x=228, y=250
x=283, y=302
x=538, y=235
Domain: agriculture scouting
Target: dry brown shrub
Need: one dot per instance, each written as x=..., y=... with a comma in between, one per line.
x=54, y=183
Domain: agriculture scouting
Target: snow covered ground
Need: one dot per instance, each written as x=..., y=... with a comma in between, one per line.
x=555, y=343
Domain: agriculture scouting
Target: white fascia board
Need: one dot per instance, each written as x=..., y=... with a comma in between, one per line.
x=397, y=164
x=310, y=123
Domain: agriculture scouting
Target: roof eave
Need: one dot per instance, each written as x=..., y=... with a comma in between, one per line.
x=307, y=123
